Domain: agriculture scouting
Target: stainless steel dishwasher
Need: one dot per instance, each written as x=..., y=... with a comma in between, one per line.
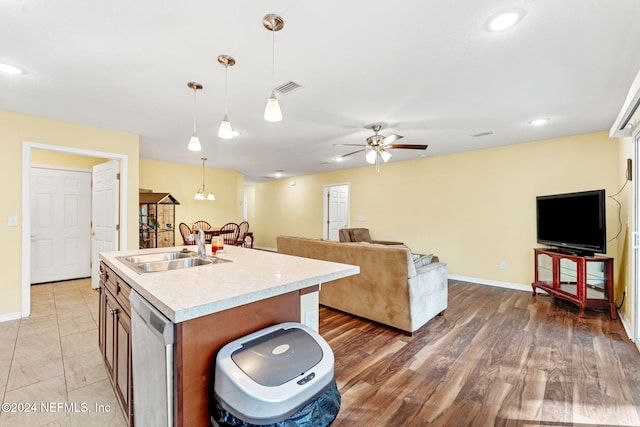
x=152, y=338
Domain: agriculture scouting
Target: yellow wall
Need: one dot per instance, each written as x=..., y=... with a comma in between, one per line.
x=182, y=181
x=624, y=253
x=16, y=128
x=473, y=209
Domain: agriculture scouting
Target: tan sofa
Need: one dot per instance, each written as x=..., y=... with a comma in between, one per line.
x=392, y=288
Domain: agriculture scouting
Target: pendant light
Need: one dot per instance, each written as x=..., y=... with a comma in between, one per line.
x=202, y=194
x=194, y=142
x=225, y=131
x=273, y=23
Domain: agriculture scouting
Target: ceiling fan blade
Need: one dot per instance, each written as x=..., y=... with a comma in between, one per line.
x=349, y=145
x=389, y=139
x=409, y=146
x=353, y=152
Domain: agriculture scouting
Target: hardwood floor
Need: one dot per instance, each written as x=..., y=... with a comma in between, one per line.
x=498, y=357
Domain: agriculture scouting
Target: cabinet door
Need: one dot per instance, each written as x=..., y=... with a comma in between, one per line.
x=111, y=310
x=596, y=278
x=544, y=272
x=122, y=374
x=568, y=271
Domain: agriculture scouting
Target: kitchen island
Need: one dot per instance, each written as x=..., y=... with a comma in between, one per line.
x=209, y=305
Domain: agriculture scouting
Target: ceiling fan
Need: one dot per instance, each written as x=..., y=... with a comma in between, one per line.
x=377, y=145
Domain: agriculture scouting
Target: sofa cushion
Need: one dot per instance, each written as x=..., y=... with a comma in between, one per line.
x=422, y=260
x=360, y=235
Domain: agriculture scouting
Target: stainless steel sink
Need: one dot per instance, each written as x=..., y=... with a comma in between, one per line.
x=165, y=261
x=163, y=256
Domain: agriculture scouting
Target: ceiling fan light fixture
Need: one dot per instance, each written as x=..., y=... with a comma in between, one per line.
x=272, y=112
x=225, y=131
x=371, y=157
x=385, y=155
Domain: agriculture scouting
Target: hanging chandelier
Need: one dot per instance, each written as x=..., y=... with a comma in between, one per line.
x=202, y=194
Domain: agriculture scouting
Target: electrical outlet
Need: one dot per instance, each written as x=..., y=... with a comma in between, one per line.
x=12, y=221
x=361, y=218
x=503, y=265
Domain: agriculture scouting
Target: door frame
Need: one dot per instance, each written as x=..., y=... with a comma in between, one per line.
x=27, y=148
x=635, y=250
x=325, y=206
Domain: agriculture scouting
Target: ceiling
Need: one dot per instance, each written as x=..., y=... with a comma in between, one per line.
x=428, y=69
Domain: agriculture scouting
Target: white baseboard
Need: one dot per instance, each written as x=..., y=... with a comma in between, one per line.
x=10, y=316
x=515, y=286
x=626, y=324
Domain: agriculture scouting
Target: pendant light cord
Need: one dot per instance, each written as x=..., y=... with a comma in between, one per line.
x=195, y=110
x=273, y=57
x=226, y=69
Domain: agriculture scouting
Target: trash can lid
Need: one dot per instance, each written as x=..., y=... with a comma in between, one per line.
x=278, y=357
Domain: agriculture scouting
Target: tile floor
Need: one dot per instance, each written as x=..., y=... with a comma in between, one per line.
x=51, y=370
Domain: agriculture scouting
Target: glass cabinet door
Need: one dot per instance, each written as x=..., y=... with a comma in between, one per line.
x=568, y=280
x=596, y=279
x=545, y=268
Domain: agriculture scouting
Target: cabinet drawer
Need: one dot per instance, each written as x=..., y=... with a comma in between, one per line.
x=122, y=294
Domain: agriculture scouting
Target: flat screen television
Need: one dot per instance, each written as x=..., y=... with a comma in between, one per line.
x=573, y=222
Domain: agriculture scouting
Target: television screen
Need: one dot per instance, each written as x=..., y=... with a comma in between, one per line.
x=573, y=221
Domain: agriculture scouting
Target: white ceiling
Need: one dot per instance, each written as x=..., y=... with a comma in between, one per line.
x=427, y=68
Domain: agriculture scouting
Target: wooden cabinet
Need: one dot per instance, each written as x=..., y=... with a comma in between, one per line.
x=157, y=220
x=114, y=336
x=584, y=280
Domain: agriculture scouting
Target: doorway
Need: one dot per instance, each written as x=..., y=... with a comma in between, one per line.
x=335, y=210
x=27, y=148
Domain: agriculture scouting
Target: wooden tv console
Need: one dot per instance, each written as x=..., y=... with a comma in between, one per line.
x=584, y=280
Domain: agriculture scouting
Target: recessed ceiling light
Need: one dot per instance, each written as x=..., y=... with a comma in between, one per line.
x=538, y=122
x=505, y=19
x=10, y=69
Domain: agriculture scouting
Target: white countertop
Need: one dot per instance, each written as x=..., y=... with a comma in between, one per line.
x=254, y=275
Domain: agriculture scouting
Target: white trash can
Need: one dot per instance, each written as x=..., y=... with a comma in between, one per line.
x=271, y=375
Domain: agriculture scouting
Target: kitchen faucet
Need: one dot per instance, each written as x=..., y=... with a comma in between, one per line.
x=199, y=238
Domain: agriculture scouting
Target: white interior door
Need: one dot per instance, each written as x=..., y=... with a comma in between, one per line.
x=337, y=210
x=60, y=224
x=104, y=212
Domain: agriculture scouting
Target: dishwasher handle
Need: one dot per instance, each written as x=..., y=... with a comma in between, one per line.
x=151, y=316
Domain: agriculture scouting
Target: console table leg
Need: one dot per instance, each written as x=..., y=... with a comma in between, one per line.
x=612, y=311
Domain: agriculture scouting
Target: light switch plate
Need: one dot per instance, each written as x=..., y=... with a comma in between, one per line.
x=12, y=221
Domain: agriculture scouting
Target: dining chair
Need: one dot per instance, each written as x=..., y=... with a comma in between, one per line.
x=242, y=234
x=185, y=231
x=229, y=233
x=202, y=225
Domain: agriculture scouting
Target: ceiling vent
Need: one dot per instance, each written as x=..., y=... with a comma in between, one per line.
x=288, y=87
x=485, y=133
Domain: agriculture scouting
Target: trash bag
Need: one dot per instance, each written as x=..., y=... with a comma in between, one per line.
x=318, y=412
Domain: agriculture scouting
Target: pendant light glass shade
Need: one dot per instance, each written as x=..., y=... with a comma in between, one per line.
x=202, y=194
x=371, y=157
x=194, y=142
x=385, y=155
x=273, y=23
x=273, y=113
x=225, y=131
